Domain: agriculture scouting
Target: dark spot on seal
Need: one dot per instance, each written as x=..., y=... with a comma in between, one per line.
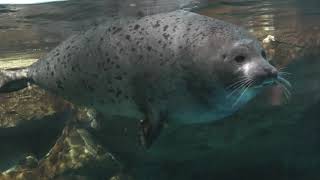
x=133, y=49
x=165, y=35
x=90, y=88
x=111, y=90
x=150, y=100
x=136, y=27
x=224, y=56
x=59, y=85
x=117, y=30
x=128, y=37
x=157, y=24
x=149, y=48
x=95, y=76
x=118, y=78
x=52, y=73
x=165, y=27
x=140, y=14
x=68, y=47
x=117, y=66
x=119, y=92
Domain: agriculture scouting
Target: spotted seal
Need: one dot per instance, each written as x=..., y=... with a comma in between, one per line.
x=178, y=67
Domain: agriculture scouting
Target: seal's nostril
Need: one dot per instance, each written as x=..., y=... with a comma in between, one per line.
x=273, y=73
x=270, y=73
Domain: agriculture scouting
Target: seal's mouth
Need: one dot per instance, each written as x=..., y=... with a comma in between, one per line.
x=274, y=81
x=266, y=83
x=280, y=81
x=240, y=88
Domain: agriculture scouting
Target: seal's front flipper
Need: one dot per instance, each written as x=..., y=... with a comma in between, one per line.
x=13, y=80
x=150, y=128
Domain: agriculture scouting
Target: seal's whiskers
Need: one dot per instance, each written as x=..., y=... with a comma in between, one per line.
x=284, y=82
x=285, y=85
x=233, y=85
x=244, y=89
x=240, y=86
x=284, y=73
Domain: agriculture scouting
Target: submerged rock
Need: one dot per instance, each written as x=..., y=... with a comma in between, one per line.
x=75, y=152
x=30, y=122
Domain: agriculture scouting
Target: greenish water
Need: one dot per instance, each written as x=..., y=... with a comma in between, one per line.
x=269, y=139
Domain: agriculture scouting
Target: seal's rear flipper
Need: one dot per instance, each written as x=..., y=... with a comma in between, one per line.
x=13, y=80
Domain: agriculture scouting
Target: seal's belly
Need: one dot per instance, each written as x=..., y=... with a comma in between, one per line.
x=200, y=114
x=126, y=109
x=191, y=112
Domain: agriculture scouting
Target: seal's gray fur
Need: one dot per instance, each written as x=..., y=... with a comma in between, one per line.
x=172, y=66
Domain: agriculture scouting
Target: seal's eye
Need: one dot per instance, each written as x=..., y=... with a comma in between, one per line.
x=239, y=59
x=263, y=54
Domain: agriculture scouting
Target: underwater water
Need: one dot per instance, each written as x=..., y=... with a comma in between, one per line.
x=271, y=138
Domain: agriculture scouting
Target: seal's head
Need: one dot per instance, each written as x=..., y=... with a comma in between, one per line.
x=245, y=61
x=237, y=63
